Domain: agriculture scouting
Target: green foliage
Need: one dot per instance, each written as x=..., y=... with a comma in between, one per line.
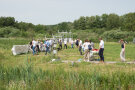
x=27, y=78
x=7, y=21
x=28, y=72
x=94, y=24
x=118, y=34
x=129, y=21
x=9, y=32
x=64, y=26
x=113, y=21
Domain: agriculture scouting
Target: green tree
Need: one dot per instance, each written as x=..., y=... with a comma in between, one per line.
x=40, y=28
x=104, y=20
x=76, y=24
x=7, y=21
x=63, y=26
x=113, y=21
x=82, y=23
x=129, y=21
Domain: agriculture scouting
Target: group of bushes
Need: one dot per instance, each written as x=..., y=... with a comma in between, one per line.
x=118, y=34
x=93, y=34
x=108, y=35
x=6, y=32
x=9, y=32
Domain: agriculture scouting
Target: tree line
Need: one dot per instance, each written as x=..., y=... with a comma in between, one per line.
x=106, y=22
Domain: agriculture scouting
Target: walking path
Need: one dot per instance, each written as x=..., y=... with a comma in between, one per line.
x=107, y=62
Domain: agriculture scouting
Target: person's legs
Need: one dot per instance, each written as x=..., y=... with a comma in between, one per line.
x=122, y=55
x=38, y=48
x=33, y=48
x=60, y=47
x=80, y=50
x=46, y=50
x=66, y=46
x=49, y=49
x=101, y=54
x=86, y=55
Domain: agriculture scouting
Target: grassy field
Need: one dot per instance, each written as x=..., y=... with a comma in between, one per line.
x=28, y=72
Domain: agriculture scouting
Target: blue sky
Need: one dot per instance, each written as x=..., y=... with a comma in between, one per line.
x=50, y=12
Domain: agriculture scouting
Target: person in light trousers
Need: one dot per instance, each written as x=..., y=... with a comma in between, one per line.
x=122, y=53
x=86, y=50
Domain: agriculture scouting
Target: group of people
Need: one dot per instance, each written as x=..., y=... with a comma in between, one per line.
x=38, y=46
x=85, y=47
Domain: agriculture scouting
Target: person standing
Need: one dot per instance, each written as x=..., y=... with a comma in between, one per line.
x=86, y=50
x=33, y=46
x=122, y=53
x=101, y=49
x=80, y=46
x=60, y=44
x=47, y=45
x=65, y=44
x=92, y=44
x=77, y=43
x=72, y=44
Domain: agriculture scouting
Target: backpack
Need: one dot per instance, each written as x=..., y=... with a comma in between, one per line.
x=89, y=47
x=77, y=42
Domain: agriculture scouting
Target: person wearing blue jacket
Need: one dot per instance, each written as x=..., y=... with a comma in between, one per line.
x=47, y=45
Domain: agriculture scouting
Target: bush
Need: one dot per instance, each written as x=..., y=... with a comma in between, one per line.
x=9, y=32
x=118, y=34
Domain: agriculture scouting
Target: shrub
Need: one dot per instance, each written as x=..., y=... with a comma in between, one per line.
x=117, y=34
x=9, y=32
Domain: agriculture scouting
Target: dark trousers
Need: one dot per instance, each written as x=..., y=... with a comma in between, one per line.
x=80, y=50
x=72, y=45
x=47, y=50
x=65, y=45
x=60, y=46
x=101, y=54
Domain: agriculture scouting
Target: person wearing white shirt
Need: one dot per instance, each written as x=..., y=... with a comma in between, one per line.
x=91, y=44
x=65, y=44
x=72, y=44
x=80, y=46
x=86, y=50
x=101, y=49
x=33, y=46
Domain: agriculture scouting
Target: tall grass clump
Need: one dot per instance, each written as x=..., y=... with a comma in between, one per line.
x=24, y=78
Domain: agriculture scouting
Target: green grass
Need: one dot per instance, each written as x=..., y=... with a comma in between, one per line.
x=28, y=72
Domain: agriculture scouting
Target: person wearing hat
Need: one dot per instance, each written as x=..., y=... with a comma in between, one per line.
x=122, y=53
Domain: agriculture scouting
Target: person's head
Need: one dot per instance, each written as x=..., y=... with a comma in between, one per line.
x=100, y=39
x=90, y=41
x=122, y=41
x=86, y=40
x=78, y=39
x=32, y=39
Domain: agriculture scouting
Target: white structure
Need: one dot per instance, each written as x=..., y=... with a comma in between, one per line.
x=19, y=49
x=61, y=36
x=134, y=40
